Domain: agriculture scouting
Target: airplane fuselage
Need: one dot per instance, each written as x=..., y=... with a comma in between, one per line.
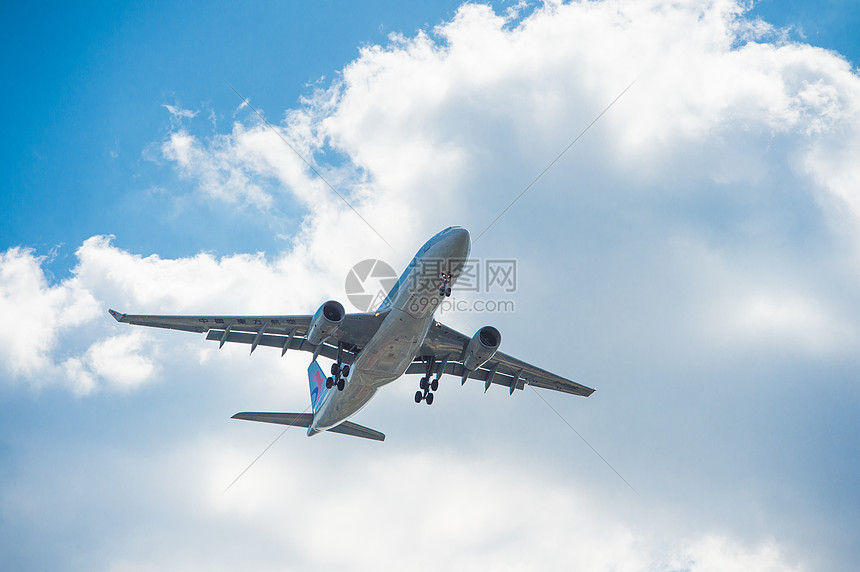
x=409, y=312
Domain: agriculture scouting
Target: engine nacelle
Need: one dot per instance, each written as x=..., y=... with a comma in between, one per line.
x=326, y=321
x=482, y=347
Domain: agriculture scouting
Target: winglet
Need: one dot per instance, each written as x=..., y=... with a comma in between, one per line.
x=116, y=315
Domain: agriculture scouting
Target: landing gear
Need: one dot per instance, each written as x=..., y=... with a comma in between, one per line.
x=445, y=290
x=338, y=377
x=339, y=372
x=424, y=394
x=429, y=384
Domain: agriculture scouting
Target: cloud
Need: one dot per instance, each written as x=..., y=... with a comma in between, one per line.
x=766, y=316
x=698, y=242
x=118, y=360
x=729, y=153
x=63, y=334
x=515, y=517
x=35, y=312
x=710, y=100
x=693, y=256
x=180, y=113
x=217, y=177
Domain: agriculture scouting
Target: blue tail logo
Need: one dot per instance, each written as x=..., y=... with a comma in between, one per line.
x=316, y=378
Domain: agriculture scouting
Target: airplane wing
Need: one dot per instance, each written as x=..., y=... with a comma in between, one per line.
x=446, y=348
x=282, y=332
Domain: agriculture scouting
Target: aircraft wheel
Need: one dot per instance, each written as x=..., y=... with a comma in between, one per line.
x=442, y=291
x=423, y=383
x=418, y=396
x=334, y=369
x=345, y=371
x=341, y=384
x=429, y=399
x=434, y=385
x=329, y=382
x=447, y=291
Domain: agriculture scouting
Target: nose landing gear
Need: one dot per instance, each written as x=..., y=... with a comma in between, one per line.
x=445, y=290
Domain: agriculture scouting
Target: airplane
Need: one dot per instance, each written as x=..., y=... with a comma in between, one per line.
x=371, y=350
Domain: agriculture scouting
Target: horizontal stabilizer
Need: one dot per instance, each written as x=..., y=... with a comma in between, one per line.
x=305, y=420
x=350, y=428
x=291, y=419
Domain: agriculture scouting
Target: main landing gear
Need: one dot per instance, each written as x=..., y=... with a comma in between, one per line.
x=339, y=372
x=428, y=386
x=445, y=290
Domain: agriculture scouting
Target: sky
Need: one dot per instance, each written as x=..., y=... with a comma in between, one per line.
x=693, y=256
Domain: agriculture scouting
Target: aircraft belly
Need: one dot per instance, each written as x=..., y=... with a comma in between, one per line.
x=392, y=349
x=381, y=361
x=341, y=405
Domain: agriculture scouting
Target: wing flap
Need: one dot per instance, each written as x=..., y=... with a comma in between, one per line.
x=481, y=374
x=275, y=341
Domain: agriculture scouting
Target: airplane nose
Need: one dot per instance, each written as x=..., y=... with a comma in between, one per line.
x=460, y=238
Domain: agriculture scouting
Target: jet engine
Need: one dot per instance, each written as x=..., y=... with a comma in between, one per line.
x=482, y=347
x=325, y=321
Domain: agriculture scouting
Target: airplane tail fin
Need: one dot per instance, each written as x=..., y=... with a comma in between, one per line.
x=316, y=379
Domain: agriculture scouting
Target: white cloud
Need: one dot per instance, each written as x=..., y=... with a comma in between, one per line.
x=180, y=113
x=62, y=333
x=484, y=100
x=217, y=177
x=118, y=359
x=461, y=512
x=713, y=208
x=703, y=103
x=35, y=312
x=803, y=322
x=712, y=553
x=78, y=376
x=512, y=517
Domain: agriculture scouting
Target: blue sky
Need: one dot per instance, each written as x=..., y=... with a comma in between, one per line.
x=693, y=257
x=91, y=83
